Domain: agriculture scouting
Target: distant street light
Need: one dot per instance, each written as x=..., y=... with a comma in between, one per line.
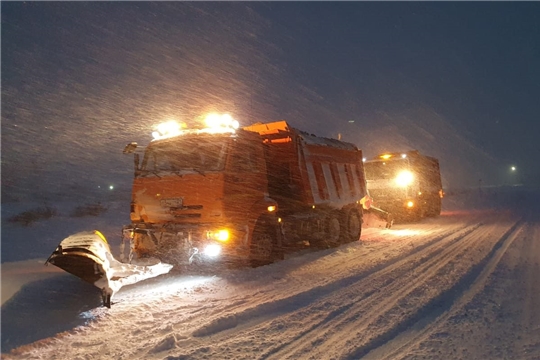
x=513, y=168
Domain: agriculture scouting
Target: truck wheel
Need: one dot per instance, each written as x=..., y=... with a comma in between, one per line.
x=333, y=231
x=262, y=246
x=352, y=226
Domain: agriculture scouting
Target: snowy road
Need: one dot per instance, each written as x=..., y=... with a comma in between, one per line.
x=464, y=285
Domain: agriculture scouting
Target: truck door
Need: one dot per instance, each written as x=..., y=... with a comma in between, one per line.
x=245, y=179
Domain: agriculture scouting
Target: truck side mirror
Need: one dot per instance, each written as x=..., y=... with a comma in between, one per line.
x=130, y=148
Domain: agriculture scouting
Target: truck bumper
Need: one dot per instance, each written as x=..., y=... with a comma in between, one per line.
x=184, y=245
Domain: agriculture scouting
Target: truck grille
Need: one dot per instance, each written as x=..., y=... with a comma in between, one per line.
x=187, y=207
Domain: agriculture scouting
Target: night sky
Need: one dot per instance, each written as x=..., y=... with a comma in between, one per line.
x=456, y=80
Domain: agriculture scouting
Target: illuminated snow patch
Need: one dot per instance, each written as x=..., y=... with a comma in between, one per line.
x=402, y=232
x=174, y=285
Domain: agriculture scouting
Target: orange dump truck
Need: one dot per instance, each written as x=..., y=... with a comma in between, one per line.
x=243, y=194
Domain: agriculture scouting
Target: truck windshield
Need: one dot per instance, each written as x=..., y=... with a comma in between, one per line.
x=385, y=169
x=185, y=155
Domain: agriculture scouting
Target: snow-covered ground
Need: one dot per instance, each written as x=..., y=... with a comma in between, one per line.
x=462, y=286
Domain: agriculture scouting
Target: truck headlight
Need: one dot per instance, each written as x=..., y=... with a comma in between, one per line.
x=212, y=250
x=219, y=235
x=404, y=178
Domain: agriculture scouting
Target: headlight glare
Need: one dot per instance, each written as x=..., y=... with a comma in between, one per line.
x=212, y=250
x=404, y=178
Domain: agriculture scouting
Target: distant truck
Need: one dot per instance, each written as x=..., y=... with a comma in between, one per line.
x=248, y=193
x=407, y=184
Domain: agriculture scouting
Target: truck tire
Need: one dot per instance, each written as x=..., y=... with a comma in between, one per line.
x=262, y=246
x=333, y=231
x=352, y=226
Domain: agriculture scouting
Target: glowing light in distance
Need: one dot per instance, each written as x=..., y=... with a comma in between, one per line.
x=404, y=178
x=385, y=156
x=363, y=159
x=111, y=187
x=212, y=250
x=403, y=156
x=410, y=204
x=513, y=168
x=271, y=208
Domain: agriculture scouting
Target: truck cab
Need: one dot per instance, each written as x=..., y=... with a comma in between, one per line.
x=407, y=184
x=202, y=194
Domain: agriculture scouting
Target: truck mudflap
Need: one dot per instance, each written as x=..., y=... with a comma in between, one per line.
x=88, y=256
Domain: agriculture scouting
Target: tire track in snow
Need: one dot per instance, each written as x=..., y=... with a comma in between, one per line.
x=216, y=325
x=270, y=309
x=250, y=319
x=531, y=316
x=417, y=328
x=219, y=322
x=352, y=326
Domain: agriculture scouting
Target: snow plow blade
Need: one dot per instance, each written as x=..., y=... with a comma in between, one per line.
x=377, y=218
x=87, y=255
